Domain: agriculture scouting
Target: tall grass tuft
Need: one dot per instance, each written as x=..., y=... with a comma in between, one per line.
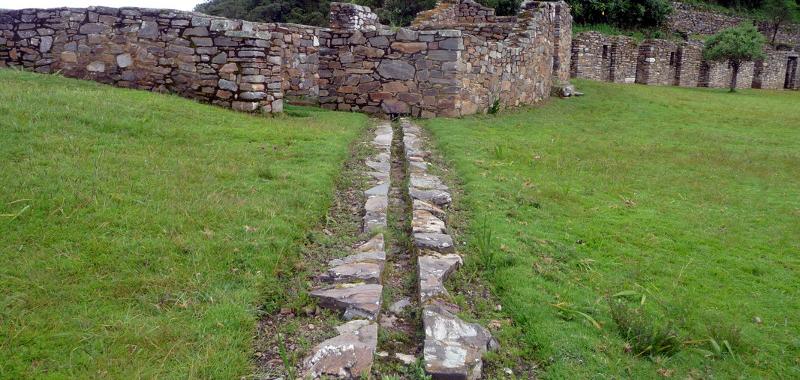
x=645, y=334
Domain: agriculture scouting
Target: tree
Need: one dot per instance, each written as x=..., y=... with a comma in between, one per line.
x=779, y=12
x=735, y=45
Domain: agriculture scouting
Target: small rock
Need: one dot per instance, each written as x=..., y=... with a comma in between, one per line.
x=406, y=359
x=442, y=243
x=434, y=269
x=757, y=320
x=356, y=300
x=399, y=306
x=348, y=355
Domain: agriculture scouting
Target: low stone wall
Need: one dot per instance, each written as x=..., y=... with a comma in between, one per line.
x=661, y=62
x=211, y=59
x=606, y=58
x=657, y=62
x=771, y=73
x=458, y=60
x=689, y=19
x=688, y=60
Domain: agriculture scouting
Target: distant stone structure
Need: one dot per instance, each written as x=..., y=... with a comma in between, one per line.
x=457, y=59
x=667, y=63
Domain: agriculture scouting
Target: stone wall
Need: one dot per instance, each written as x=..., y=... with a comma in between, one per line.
x=770, y=73
x=606, y=58
x=211, y=59
x=689, y=19
x=688, y=60
x=459, y=58
x=298, y=48
x=661, y=62
x=657, y=62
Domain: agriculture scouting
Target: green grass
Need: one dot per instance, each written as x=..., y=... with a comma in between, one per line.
x=139, y=232
x=677, y=209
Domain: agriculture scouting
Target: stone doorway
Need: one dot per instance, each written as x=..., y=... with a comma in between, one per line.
x=790, y=82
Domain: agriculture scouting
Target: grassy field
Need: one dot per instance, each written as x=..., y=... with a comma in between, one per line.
x=640, y=232
x=138, y=232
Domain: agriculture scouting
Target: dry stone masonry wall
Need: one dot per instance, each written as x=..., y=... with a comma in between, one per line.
x=456, y=60
x=220, y=61
x=662, y=62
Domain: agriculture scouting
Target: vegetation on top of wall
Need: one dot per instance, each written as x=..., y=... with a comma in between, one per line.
x=315, y=12
x=735, y=45
x=621, y=13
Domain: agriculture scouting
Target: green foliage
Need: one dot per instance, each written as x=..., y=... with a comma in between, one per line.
x=308, y=12
x=495, y=107
x=656, y=185
x=779, y=12
x=738, y=44
x=628, y=14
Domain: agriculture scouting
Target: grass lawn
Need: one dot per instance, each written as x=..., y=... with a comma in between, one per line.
x=138, y=232
x=678, y=209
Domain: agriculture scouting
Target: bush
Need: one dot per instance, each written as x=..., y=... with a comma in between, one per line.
x=627, y=14
x=643, y=332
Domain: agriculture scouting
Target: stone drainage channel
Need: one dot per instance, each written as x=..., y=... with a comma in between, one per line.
x=406, y=270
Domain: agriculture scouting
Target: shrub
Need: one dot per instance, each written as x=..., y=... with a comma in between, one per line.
x=627, y=14
x=735, y=45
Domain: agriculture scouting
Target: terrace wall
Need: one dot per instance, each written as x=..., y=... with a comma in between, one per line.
x=661, y=62
x=207, y=58
x=458, y=59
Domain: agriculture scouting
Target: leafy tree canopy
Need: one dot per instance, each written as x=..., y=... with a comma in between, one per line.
x=779, y=12
x=735, y=45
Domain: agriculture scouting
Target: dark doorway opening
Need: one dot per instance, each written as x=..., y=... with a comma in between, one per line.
x=791, y=74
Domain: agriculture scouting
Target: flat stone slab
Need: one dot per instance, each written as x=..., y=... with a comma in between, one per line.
x=425, y=222
x=375, y=244
x=429, y=207
x=365, y=272
x=453, y=348
x=380, y=190
x=441, y=243
x=377, y=203
x=438, y=197
x=356, y=300
x=348, y=355
x=383, y=139
x=426, y=182
x=377, y=257
x=374, y=221
x=434, y=269
x=417, y=167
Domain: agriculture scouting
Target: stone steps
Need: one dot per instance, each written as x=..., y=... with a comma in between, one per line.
x=355, y=282
x=453, y=348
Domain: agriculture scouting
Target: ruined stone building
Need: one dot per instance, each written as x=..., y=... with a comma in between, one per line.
x=457, y=59
x=669, y=63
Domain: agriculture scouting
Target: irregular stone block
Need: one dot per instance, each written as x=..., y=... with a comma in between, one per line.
x=396, y=69
x=429, y=207
x=437, y=197
x=377, y=257
x=434, y=269
x=381, y=190
x=442, y=243
x=453, y=348
x=356, y=300
x=369, y=273
x=376, y=244
x=124, y=60
x=425, y=222
x=426, y=182
x=348, y=355
x=96, y=67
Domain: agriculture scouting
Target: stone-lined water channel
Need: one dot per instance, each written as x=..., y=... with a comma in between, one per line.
x=395, y=281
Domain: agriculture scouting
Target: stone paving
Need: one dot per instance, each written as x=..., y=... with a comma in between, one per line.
x=357, y=279
x=452, y=348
